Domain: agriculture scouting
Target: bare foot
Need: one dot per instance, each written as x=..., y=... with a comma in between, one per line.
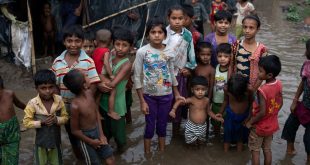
x=114, y=115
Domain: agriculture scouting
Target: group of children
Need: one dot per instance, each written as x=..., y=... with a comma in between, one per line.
x=218, y=76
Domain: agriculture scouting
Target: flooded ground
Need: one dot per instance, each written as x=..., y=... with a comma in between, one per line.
x=282, y=39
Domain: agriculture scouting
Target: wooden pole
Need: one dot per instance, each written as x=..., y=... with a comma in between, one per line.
x=120, y=12
x=33, y=58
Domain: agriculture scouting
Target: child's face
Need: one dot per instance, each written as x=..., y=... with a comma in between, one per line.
x=194, y=1
x=187, y=21
x=46, y=91
x=47, y=9
x=176, y=20
x=249, y=28
x=199, y=91
x=156, y=35
x=88, y=47
x=122, y=48
x=222, y=26
x=218, y=1
x=205, y=55
x=223, y=59
x=73, y=45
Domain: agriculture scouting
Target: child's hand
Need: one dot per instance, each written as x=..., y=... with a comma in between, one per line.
x=248, y=125
x=293, y=106
x=96, y=143
x=172, y=114
x=219, y=117
x=50, y=120
x=144, y=108
x=180, y=98
x=103, y=140
x=185, y=72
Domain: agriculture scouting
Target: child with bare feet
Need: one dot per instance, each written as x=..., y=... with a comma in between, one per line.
x=46, y=113
x=49, y=28
x=9, y=126
x=237, y=103
x=102, y=58
x=85, y=120
x=264, y=117
x=199, y=109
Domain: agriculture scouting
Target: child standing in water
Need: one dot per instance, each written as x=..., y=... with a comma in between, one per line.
x=300, y=110
x=46, y=113
x=237, y=105
x=244, y=8
x=9, y=126
x=154, y=63
x=221, y=35
x=246, y=53
x=264, y=119
x=220, y=80
x=181, y=41
x=199, y=109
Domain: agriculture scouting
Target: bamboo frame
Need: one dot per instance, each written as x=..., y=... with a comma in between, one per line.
x=33, y=58
x=120, y=12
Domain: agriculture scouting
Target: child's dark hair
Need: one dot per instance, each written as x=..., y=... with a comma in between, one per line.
x=47, y=3
x=253, y=17
x=74, y=30
x=200, y=46
x=122, y=33
x=222, y=15
x=1, y=83
x=175, y=7
x=155, y=22
x=237, y=86
x=271, y=64
x=89, y=36
x=199, y=80
x=307, y=53
x=188, y=10
x=44, y=76
x=224, y=48
x=74, y=81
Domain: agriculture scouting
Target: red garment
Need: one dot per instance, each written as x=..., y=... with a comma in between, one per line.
x=272, y=94
x=97, y=56
x=197, y=36
x=215, y=8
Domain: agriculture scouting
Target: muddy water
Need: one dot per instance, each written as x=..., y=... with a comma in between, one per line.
x=281, y=38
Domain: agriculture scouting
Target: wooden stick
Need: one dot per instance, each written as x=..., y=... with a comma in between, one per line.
x=33, y=58
x=120, y=12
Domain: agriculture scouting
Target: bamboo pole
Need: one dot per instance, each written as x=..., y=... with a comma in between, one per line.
x=120, y=12
x=33, y=58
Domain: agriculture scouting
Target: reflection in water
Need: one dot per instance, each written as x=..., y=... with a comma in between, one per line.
x=282, y=39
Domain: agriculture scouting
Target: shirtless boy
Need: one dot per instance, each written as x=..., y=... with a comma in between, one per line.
x=199, y=109
x=9, y=126
x=85, y=120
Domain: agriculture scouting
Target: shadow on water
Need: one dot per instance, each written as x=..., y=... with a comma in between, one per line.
x=282, y=39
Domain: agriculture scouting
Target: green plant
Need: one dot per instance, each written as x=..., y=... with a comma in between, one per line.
x=304, y=39
x=293, y=14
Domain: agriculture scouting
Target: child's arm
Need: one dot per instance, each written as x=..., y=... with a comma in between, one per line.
x=143, y=105
x=63, y=118
x=18, y=103
x=176, y=105
x=211, y=84
x=107, y=66
x=297, y=95
x=75, y=127
x=123, y=73
x=225, y=102
x=28, y=120
x=217, y=117
x=102, y=138
x=112, y=99
x=260, y=114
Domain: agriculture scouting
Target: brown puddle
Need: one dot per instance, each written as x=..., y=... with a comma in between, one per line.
x=282, y=39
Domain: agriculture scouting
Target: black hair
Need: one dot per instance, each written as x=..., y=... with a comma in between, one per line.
x=1, y=83
x=74, y=80
x=44, y=76
x=155, y=22
x=47, y=3
x=237, y=86
x=90, y=36
x=222, y=15
x=199, y=80
x=307, y=53
x=253, y=17
x=122, y=33
x=271, y=64
x=73, y=30
x=224, y=48
x=188, y=10
x=175, y=7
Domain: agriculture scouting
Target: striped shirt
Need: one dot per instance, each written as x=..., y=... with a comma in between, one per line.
x=61, y=68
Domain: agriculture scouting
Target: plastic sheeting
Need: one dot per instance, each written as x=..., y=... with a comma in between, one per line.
x=21, y=44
